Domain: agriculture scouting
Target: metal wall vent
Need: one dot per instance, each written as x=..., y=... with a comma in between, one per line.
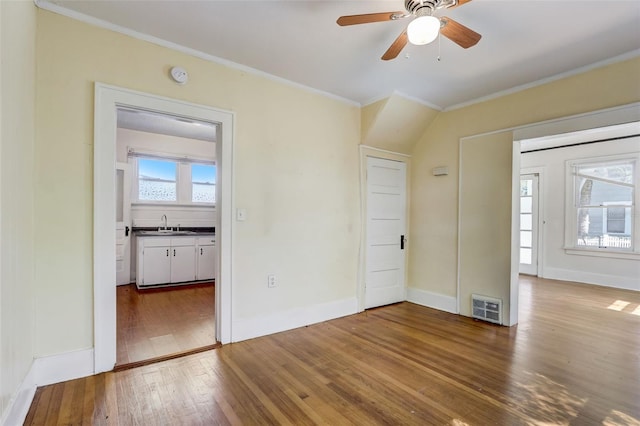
x=486, y=308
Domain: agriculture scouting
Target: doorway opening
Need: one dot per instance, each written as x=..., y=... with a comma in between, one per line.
x=108, y=100
x=165, y=236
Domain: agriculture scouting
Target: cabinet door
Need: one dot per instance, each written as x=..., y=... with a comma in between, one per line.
x=206, y=262
x=183, y=264
x=157, y=265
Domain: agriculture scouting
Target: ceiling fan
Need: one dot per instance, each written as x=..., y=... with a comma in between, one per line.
x=423, y=29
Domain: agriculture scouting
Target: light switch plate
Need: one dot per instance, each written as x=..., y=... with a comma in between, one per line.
x=241, y=215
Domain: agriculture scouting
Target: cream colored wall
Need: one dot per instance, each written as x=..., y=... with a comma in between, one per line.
x=485, y=219
x=434, y=210
x=17, y=117
x=295, y=164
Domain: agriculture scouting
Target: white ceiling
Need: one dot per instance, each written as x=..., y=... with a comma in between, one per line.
x=523, y=42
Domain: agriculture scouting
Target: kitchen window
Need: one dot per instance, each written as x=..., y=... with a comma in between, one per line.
x=603, y=196
x=157, y=180
x=167, y=180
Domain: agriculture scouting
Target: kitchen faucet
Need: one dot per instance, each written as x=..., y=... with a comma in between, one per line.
x=164, y=219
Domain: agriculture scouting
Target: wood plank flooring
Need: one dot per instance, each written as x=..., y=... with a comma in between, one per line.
x=162, y=323
x=573, y=359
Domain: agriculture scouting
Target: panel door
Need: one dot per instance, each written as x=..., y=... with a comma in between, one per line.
x=386, y=219
x=529, y=224
x=123, y=223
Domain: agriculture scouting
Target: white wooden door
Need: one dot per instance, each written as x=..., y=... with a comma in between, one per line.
x=386, y=221
x=529, y=224
x=123, y=223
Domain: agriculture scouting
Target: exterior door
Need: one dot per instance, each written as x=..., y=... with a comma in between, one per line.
x=529, y=224
x=123, y=223
x=386, y=222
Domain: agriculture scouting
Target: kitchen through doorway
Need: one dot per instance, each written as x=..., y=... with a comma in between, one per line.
x=165, y=236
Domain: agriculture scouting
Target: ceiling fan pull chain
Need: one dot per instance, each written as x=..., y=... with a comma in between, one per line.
x=439, y=37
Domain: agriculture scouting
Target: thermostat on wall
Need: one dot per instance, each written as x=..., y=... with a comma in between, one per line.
x=440, y=171
x=179, y=75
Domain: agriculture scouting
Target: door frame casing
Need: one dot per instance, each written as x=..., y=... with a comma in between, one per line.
x=107, y=100
x=368, y=151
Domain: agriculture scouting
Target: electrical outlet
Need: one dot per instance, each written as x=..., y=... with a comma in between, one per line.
x=271, y=280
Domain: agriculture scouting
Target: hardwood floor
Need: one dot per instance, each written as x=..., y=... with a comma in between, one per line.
x=573, y=359
x=163, y=323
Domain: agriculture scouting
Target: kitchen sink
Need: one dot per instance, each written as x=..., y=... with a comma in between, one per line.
x=165, y=232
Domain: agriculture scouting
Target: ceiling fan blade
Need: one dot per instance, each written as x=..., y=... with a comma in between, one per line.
x=458, y=33
x=460, y=3
x=396, y=47
x=367, y=18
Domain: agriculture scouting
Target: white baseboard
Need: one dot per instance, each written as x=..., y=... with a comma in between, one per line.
x=293, y=318
x=18, y=407
x=432, y=300
x=625, y=283
x=46, y=371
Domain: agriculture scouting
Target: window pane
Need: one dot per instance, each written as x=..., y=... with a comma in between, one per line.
x=526, y=187
x=618, y=219
x=592, y=229
x=598, y=193
x=525, y=221
x=610, y=171
x=525, y=238
x=156, y=180
x=525, y=256
x=203, y=183
x=526, y=204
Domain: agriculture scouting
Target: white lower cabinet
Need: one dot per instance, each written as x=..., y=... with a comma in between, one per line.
x=167, y=261
x=183, y=263
x=156, y=264
x=206, y=254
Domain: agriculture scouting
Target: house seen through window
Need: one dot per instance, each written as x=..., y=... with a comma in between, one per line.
x=604, y=201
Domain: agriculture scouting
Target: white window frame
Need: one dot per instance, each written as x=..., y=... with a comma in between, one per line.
x=571, y=206
x=184, y=181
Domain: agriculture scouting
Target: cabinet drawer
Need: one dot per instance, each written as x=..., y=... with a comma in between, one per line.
x=180, y=242
x=156, y=242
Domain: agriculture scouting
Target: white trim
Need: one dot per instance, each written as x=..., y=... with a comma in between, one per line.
x=384, y=151
x=250, y=328
x=46, y=371
x=433, y=300
x=60, y=10
x=18, y=407
x=594, y=252
x=604, y=280
x=107, y=100
x=516, y=89
x=63, y=367
x=514, y=284
x=606, y=117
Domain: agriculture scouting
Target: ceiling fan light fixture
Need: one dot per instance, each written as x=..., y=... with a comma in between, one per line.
x=423, y=30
